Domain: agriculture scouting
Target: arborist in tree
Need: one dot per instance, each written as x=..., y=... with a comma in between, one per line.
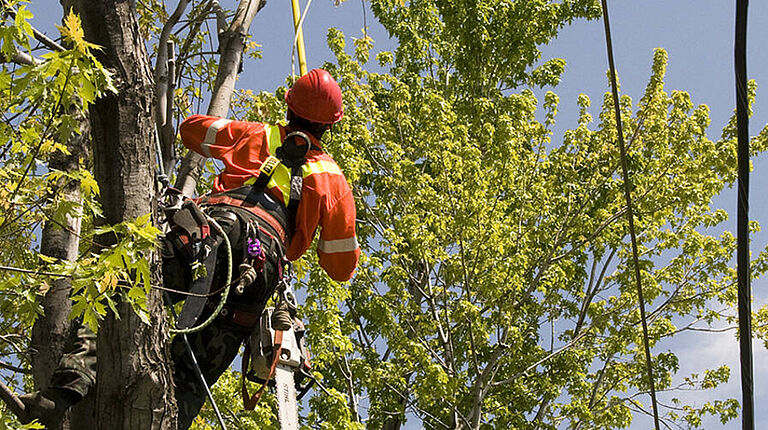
x=277, y=187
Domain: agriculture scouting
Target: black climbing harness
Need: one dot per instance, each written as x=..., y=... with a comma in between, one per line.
x=258, y=226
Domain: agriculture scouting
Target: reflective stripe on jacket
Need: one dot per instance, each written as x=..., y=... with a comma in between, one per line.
x=326, y=199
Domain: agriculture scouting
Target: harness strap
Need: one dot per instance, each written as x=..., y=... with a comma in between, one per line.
x=249, y=402
x=256, y=210
x=293, y=157
x=266, y=171
x=297, y=182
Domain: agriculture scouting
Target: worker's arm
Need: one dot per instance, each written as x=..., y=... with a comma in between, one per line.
x=338, y=249
x=212, y=136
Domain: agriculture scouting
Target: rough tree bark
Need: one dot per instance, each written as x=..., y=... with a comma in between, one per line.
x=134, y=388
x=51, y=331
x=231, y=46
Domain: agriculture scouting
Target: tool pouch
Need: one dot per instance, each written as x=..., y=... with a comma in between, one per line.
x=189, y=232
x=189, y=240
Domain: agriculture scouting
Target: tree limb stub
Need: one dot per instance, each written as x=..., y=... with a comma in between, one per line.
x=13, y=402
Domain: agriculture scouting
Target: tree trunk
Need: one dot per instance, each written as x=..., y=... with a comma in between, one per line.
x=231, y=45
x=51, y=330
x=134, y=388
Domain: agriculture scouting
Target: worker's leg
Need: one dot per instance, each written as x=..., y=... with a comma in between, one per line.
x=215, y=347
x=76, y=371
x=73, y=378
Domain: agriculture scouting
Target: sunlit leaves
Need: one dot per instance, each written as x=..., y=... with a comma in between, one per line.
x=122, y=269
x=72, y=32
x=39, y=103
x=18, y=33
x=491, y=242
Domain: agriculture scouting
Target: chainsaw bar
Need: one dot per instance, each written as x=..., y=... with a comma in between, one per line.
x=285, y=391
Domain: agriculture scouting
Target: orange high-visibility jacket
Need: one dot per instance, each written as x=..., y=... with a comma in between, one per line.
x=326, y=199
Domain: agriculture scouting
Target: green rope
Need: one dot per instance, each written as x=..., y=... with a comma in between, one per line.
x=227, y=283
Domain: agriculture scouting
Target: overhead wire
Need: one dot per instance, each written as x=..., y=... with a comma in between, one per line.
x=630, y=214
x=742, y=216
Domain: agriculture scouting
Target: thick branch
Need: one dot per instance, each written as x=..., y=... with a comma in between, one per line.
x=164, y=84
x=232, y=44
x=24, y=59
x=482, y=385
x=13, y=402
x=61, y=242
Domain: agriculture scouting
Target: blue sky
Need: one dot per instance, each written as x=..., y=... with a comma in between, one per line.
x=697, y=34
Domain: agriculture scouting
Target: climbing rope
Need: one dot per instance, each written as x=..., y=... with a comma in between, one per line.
x=227, y=284
x=630, y=214
x=298, y=39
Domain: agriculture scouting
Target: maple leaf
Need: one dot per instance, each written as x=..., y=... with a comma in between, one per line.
x=72, y=31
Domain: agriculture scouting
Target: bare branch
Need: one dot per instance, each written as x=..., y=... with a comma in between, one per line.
x=164, y=84
x=232, y=44
x=353, y=406
x=555, y=353
x=24, y=59
x=39, y=36
x=16, y=369
x=13, y=402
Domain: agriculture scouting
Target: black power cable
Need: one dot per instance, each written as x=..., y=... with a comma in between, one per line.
x=742, y=251
x=630, y=214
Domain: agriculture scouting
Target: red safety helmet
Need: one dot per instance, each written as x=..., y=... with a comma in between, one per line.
x=316, y=97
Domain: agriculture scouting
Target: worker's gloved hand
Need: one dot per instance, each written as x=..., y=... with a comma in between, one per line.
x=47, y=406
x=281, y=317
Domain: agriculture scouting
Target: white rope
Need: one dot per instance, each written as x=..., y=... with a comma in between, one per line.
x=296, y=38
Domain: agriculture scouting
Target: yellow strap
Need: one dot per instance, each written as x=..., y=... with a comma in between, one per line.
x=269, y=165
x=282, y=179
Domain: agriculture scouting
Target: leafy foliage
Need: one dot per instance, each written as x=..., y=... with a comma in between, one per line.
x=40, y=102
x=494, y=289
x=121, y=269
